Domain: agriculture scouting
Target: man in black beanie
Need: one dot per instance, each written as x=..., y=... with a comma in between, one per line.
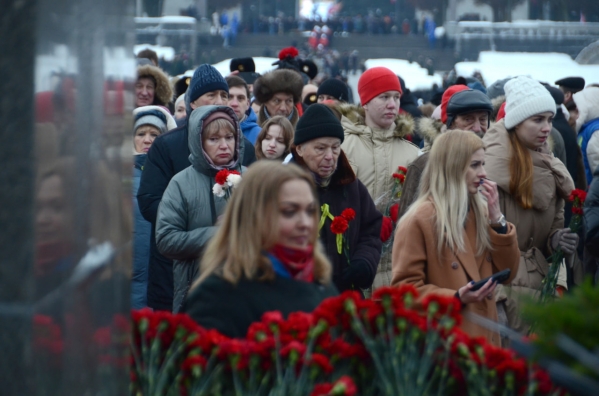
x=168, y=156
x=334, y=90
x=317, y=148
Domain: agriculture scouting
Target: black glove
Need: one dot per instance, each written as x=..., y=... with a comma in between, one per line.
x=358, y=273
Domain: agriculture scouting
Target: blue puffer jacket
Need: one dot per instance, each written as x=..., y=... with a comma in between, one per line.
x=141, y=243
x=250, y=127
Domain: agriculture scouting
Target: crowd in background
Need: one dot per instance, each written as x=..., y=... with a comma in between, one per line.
x=342, y=195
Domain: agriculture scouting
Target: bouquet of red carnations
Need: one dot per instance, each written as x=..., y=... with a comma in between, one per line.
x=347, y=346
x=577, y=197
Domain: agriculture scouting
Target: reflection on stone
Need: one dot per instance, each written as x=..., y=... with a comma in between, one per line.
x=83, y=77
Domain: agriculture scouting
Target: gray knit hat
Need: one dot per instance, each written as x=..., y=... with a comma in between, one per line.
x=524, y=98
x=496, y=89
x=151, y=117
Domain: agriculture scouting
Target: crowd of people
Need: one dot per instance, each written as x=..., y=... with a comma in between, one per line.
x=267, y=192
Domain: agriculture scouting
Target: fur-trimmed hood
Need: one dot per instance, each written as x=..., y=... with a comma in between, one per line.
x=404, y=123
x=429, y=129
x=163, y=93
x=280, y=80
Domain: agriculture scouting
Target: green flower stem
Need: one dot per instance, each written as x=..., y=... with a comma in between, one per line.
x=370, y=345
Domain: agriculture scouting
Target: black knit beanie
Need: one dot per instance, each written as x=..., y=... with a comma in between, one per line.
x=205, y=79
x=335, y=88
x=318, y=121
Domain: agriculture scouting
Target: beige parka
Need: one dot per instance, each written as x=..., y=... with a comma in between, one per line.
x=552, y=184
x=375, y=154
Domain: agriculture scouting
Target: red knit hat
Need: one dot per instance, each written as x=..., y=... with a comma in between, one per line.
x=449, y=92
x=501, y=112
x=375, y=81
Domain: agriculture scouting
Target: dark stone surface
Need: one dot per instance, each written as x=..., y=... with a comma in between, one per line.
x=17, y=47
x=65, y=116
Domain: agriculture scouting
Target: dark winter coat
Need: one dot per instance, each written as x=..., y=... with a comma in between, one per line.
x=141, y=243
x=573, y=162
x=591, y=216
x=572, y=150
x=168, y=156
x=231, y=309
x=250, y=127
x=189, y=210
x=363, y=236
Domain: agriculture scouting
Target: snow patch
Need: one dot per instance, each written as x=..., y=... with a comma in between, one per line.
x=415, y=77
x=544, y=67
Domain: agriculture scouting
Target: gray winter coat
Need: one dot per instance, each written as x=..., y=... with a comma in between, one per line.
x=189, y=210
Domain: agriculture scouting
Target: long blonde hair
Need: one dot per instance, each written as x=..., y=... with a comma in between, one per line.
x=250, y=227
x=444, y=185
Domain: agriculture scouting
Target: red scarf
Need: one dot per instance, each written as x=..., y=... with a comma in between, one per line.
x=299, y=262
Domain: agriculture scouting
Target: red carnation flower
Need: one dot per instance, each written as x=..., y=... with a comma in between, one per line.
x=348, y=214
x=272, y=317
x=577, y=211
x=345, y=386
x=397, y=295
x=339, y=225
x=258, y=331
x=290, y=52
x=194, y=361
x=296, y=346
x=103, y=337
x=578, y=193
x=322, y=389
x=402, y=169
x=234, y=348
x=221, y=177
x=322, y=362
x=516, y=366
x=386, y=229
x=394, y=212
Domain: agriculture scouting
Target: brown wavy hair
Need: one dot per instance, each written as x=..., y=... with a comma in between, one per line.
x=288, y=133
x=521, y=172
x=250, y=227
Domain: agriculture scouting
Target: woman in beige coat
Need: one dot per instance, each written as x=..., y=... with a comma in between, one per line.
x=455, y=234
x=532, y=187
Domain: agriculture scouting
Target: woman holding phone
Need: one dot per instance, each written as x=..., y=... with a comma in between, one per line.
x=454, y=235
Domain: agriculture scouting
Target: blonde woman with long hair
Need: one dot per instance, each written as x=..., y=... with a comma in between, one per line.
x=455, y=235
x=265, y=256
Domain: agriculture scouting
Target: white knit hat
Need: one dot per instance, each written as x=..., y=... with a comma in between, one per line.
x=524, y=98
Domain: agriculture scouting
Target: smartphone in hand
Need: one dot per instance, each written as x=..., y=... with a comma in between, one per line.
x=497, y=277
